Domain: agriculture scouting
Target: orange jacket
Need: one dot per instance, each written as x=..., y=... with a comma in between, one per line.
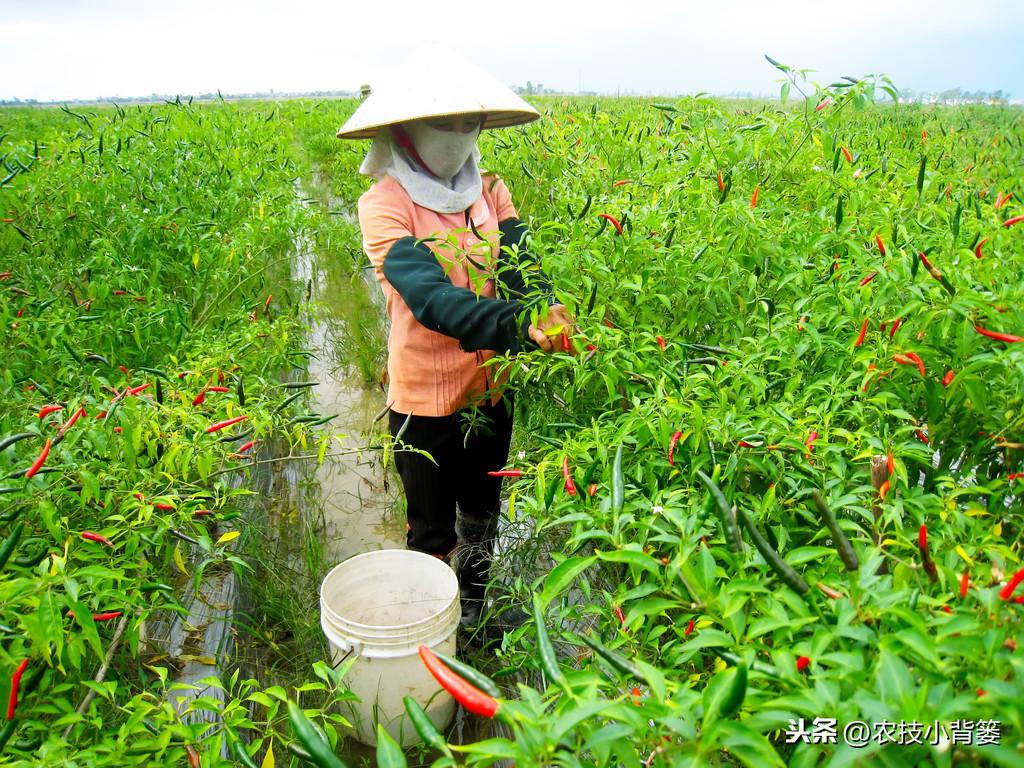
x=438, y=272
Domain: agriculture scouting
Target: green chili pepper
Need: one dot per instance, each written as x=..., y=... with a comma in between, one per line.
x=12, y=541
x=726, y=518
x=617, y=661
x=548, y=660
x=842, y=544
x=288, y=401
x=920, y=174
x=239, y=748
x=424, y=727
x=475, y=676
x=736, y=693
x=319, y=750
x=6, y=732
x=299, y=384
x=780, y=566
x=10, y=440
x=550, y=494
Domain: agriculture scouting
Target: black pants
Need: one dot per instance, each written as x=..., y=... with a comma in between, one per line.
x=464, y=455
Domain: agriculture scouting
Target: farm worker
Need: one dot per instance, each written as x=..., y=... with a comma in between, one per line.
x=446, y=245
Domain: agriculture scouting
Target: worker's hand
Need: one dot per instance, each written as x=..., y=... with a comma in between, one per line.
x=549, y=332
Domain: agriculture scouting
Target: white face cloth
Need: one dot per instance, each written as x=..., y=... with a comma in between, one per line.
x=444, y=152
x=453, y=194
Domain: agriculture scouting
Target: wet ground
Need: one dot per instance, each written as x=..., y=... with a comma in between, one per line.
x=357, y=498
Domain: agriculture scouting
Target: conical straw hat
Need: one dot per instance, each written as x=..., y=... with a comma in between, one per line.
x=434, y=82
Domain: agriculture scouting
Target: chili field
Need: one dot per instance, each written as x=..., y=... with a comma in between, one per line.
x=776, y=481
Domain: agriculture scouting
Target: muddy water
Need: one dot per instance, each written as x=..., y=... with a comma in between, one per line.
x=357, y=498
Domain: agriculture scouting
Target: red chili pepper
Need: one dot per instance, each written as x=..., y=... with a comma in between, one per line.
x=620, y=183
x=106, y=616
x=881, y=245
x=903, y=359
x=613, y=220
x=120, y=293
x=846, y=154
x=1007, y=592
x=163, y=505
x=246, y=446
x=267, y=302
x=570, y=486
x=200, y=398
x=672, y=447
x=926, y=558
x=753, y=198
x=506, y=473
x=218, y=389
x=890, y=464
x=830, y=593
x=822, y=104
x=922, y=436
x=869, y=278
x=140, y=388
x=118, y=430
x=965, y=581
x=948, y=378
x=71, y=422
x=201, y=512
x=661, y=342
x=619, y=615
x=977, y=248
x=883, y=490
x=721, y=183
x=565, y=341
x=689, y=628
x=809, y=442
x=468, y=695
x=125, y=371
x=90, y=536
x=895, y=327
x=1010, y=222
x=802, y=663
x=917, y=361
x=637, y=693
x=592, y=489
x=1001, y=201
x=220, y=379
x=863, y=331
x=12, y=699
x=998, y=336
x=46, y=410
x=591, y=348
x=222, y=424
x=1015, y=476
x=193, y=756
x=745, y=444
x=39, y=460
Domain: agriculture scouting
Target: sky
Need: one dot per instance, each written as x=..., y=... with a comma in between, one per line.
x=84, y=49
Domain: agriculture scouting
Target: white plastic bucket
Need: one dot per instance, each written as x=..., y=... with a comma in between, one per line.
x=381, y=607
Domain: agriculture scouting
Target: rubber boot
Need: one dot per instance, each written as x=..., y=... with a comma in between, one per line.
x=473, y=563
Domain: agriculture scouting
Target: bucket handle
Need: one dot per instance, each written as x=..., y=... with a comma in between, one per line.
x=354, y=647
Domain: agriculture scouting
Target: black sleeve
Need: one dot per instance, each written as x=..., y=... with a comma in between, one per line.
x=478, y=322
x=519, y=274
